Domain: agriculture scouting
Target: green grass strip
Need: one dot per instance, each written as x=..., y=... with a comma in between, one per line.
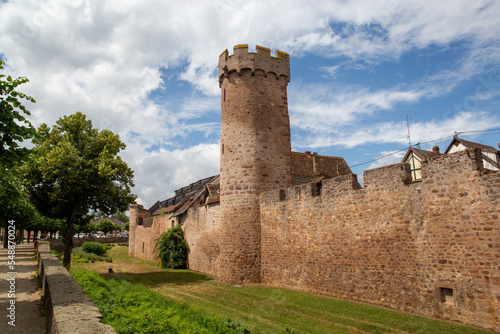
x=132, y=308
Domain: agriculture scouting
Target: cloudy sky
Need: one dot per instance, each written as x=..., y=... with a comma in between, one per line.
x=147, y=70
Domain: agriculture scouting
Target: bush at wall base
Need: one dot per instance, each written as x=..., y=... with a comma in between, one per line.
x=172, y=249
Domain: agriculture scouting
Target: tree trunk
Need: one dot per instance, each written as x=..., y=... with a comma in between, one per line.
x=29, y=235
x=69, y=242
x=20, y=236
x=5, y=237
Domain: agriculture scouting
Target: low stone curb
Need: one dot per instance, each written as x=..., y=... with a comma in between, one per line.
x=67, y=308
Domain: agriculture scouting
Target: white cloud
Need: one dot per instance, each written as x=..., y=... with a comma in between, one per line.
x=337, y=107
x=389, y=132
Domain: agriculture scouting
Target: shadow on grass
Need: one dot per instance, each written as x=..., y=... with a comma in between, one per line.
x=160, y=278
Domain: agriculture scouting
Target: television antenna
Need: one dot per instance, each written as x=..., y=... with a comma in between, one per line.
x=408, y=126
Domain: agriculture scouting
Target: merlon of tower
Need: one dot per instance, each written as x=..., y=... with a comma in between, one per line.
x=262, y=60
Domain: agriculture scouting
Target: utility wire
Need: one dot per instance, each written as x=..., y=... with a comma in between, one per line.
x=426, y=142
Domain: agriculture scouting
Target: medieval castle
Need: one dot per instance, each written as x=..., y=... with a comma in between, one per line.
x=299, y=220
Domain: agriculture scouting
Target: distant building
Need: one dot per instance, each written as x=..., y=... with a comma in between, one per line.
x=491, y=157
x=414, y=157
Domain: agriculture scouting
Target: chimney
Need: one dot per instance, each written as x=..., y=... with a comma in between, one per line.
x=435, y=149
x=315, y=164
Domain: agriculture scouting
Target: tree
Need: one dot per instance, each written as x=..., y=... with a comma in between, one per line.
x=76, y=169
x=105, y=226
x=121, y=216
x=15, y=205
x=14, y=127
x=172, y=248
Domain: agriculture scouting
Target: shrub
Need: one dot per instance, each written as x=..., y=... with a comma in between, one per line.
x=82, y=256
x=172, y=248
x=94, y=247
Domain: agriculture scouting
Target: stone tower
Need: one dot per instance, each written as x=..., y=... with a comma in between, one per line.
x=255, y=151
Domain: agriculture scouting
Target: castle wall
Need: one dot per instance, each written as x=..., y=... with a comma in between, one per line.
x=142, y=238
x=201, y=226
x=431, y=247
x=202, y=233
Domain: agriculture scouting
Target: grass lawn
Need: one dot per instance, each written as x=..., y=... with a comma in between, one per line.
x=264, y=309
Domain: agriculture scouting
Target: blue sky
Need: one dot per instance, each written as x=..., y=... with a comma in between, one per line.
x=147, y=70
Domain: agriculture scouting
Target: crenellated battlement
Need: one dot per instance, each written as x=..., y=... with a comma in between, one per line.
x=262, y=60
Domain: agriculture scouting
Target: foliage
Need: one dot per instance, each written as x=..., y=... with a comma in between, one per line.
x=94, y=247
x=79, y=255
x=106, y=226
x=76, y=169
x=133, y=308
x=14, y=201
x=14, y=127
x=83, y=227
x=172, y=248
x=121, y=216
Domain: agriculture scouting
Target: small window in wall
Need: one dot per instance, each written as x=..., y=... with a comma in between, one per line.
x=143, y=247
x=447, y=296
x=173, y=223
x=282, y=195
x=316, y=189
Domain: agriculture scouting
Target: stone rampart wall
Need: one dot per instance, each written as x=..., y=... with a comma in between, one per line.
x=142, y=242
x=431, y=247
x=201, y=226
x=67, y=308
x=202, y=233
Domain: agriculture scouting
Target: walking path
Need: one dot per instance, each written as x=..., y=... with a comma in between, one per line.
x=19, y=293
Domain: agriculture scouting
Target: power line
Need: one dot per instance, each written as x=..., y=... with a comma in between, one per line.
x=376, y=159
x=426, y=142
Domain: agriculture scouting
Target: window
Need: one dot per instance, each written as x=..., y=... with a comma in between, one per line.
x=447, y=296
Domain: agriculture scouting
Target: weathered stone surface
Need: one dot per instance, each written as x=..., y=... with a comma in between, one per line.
x=420, y=247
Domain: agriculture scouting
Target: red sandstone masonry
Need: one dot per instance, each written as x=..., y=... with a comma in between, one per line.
x=404, y=246
x=255, y=152
x=202, y=233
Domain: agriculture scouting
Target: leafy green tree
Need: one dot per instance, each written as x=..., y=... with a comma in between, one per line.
x=117, y=227
x=14, y=127
x=75, y=170
x=121, y=216
x=14, y=205
x=172, y=248
x=106, y=226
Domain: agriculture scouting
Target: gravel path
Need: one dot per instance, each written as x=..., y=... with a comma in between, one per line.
x=19, y=281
